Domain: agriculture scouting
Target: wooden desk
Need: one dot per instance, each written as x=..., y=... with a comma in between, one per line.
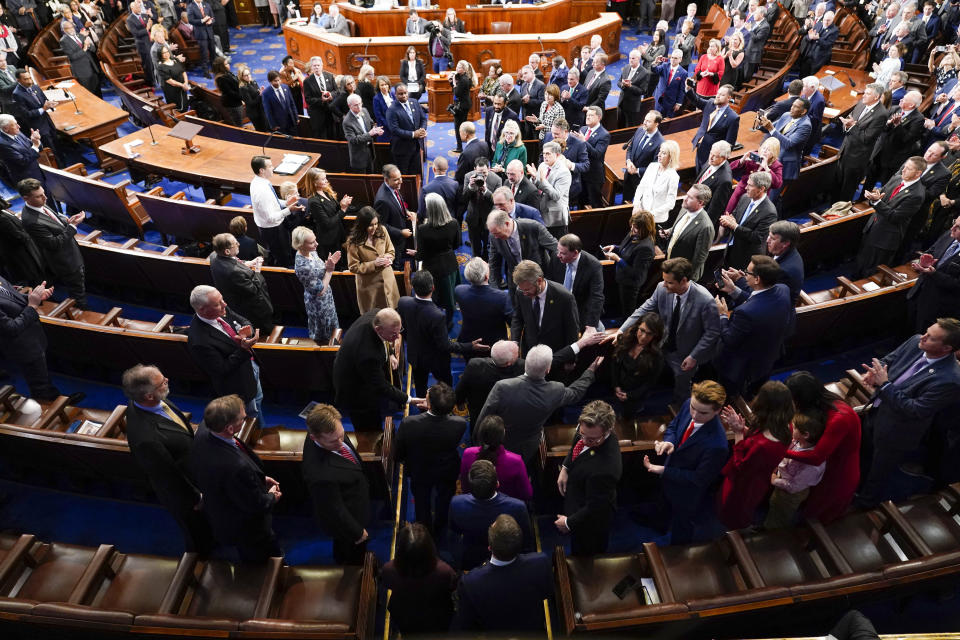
x=440, y=94
x=341, y=54
x=841, y=101
x=548, y=17
x=581, y=10
x=219, y=163
x=616, y=158
x=97, y=122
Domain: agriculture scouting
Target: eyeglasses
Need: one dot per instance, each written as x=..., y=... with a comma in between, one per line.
x=750, y=273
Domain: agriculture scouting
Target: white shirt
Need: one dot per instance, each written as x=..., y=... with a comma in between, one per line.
x=267, y=210
x=215, y=324
x=411, y=71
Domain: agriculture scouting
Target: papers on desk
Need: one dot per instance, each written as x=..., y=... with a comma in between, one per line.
x=831, y=83
x=650, y=595
x=830, y=113
x=870, y=286
x=413, y=87
x=56, y=95
x=291, y=164
x=65, y=84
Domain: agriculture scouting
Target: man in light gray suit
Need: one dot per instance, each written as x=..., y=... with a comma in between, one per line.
x=690, y=315
x=692, y=233
x=525, y=402
x=553, y=179
x=359, y=129
x=337, y=23
x=415, y=24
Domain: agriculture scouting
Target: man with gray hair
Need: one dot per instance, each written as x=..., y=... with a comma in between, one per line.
x=860, y=132
x=160, y=437
x=318, y=90
x=745, y=230
x=221, y=343
x=526, y=402
x=486, y=310
x=19, y=153
x=811, y=91
x=241, y=283
x=718, y=177
x=553, y=179
x=691, y=235
x=514, y=240
x=481, y=374
x=503, y=200
x=359, y=130
x=544, y=312
x=514, y=101
x=520, y=186
x=901, y=138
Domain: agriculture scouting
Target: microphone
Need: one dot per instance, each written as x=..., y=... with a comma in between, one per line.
x=367, y=46
x=263, y=147
x=75, y=107
x=149, y=109
x=852, y=83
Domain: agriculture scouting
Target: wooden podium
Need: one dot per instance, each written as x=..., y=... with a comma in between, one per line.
x=440, y=95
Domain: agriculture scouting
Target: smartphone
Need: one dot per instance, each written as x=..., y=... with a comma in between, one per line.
x=755, y=157
x=718, y=276
x=625, y=586
x=941, y=49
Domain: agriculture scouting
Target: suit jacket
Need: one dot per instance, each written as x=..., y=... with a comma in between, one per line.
x=162, y=449
x=528, y=580
x=642, y=155
x=914, y=401
x=669, y=92
x=886, y=227
x=486, y=312
x=577, y=153
x=359, y=140
x=753, y=48
x=234, y=488
x=28, y=108
x=338, y=25
x=244, y=289
x=694, y=242
x=818, y=51
x=780, y=107
x=338, y=489
x=631, y=96
x=56, y=241
x=536, y=244
x=937, y=294
x=558, y=326
x=726, y=126
x=535, y=90
x=573, y=106
x=137, y=27
x=81, y=63
x=425, y=330
x=598, y=91
x=526, y=193
x=20, y=158
x=525, y=404
x=792, y=144
x=898, y=143
x=392, y=216
x=694, y=465
x=477, y=381
x=591, y=498
x=427, y=444
x=415, y=28
x=587, y=287
x=721, y=186
x=281, y=114
x=201, y=31
x=468, y=159
x=750, y=236
x=18, y=252
x=317, y=109
x=514, y=101
x=596, y=145
x=471, y=518
x=421, y=74
x=505, y=115
x=523, y=211
x=791, y=263
x=401, y=128
x=228, y=365
x=21, y=334
x=857, y=147
x=699, y=325
x=555, y=194
x=360, y=375
x=446, y=187
x=752, y=337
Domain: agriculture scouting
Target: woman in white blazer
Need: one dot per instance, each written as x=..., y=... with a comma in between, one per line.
x=657, y=191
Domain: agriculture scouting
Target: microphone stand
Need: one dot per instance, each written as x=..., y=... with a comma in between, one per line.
x=153, y=141
x=75, y=107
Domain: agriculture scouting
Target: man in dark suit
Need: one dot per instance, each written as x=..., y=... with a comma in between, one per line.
x=745, y=230
x=394, y=214
x=759, y=33
x=472, y=514
x=138, y=23
x=20, y=259
x=671, y=85
x=238, y=498
x=696, y=448
x=504, y=201
x=817, y=45
x=480, y=374
x=781, y=107
x=359, y=130
x=531, y=97
x=911, y=384
x=937, y=292
x=573, y=98
x=200, y=16
x=242, y=286
x=407, y=127
x=54, y=235
x=692, y=234
x=894, y=206
x=811, y=91
x=362, y=371
x=78, y=50
x=792, y=130
x=428, y=344
x=427, y=445
x=473, y=148
x=479, y=186
x=22, y=339
x=20, y=154
x=861, y=130
x=543, y=311
x=160, y=438
x=318, y=90
x=718, y=122
x=8, y=80
x=934, y=179
x=494, y=117
x=588, y=481
x=334, y=476
x=597, y=139
x=642, y=149
x=634, y=78
x=582, y=275
x=514, y=240
x=31, y=107
x=574, y=153
x=524, y=191
x=597, y=83
x=443, y=185
x=900, y=138
x=751, y=337
x=717, y=176
x=221, y=343
x=486, y=310
x=782, y=242
x=511, y=96
x=278, y=105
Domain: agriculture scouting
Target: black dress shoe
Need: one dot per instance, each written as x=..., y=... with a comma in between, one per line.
x=76, y=398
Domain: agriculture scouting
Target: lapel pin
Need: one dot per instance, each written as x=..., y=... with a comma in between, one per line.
x=592, y=452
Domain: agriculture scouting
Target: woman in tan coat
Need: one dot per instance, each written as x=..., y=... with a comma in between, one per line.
x=370, y=256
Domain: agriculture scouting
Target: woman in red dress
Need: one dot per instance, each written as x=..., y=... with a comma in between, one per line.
x=839, y=447
x=757, y=451
x=709, y=70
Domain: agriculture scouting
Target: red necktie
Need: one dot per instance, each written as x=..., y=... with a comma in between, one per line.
x=346, y=454
x=945, y=115
x=403, y=205
x=896, y=191
x=229, y=330
x=687, y=433
x=577, y=450
x=587, y=137
x=200, y=6
x=670, y=77
x=548, y=173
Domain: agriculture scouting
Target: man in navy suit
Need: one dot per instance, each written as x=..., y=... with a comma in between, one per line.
x=407, y=129
x=573, y=97
x=22, y=339
x=78, y=51
x=31, y=108
x=504, y=201
x=278, y=105
x=696, y=448
x=574, y=152
x=471, y=514
x=486, y=310
x=535, y=243
x=931, y=26
x=443, y=185
x=751, y=337
x=642, y=149
x=532, y=96
x=911, y=385
x=19, y=153
x=937, y=292
x=201, y=17
x=634, y=78
x=597, y=83
x=745, y=230
x=817, y=45
x=668, y=95
x=543, y=311
x=494, y=118
x=582, y=275
x=238, y=497
x=793, y=132
x=428, y=347
x=597, y=140
x=394, y=213
x=718, y=122
x=894, y=206
x=138, y=23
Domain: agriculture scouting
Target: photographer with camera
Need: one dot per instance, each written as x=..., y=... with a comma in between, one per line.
x=439, y=46
x=477, y=192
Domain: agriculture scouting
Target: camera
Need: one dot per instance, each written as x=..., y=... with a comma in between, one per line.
x=755, y=157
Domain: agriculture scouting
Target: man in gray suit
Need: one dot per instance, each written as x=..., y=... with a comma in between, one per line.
x=525, y=402
x=359, y=129
x=691, y=235
x=690, y=315
x=553, y=179
x=514, y=240
x=337, y=23
x=415, y=24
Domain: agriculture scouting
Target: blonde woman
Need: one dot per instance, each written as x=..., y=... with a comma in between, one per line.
x=370, y=255
x=657, y=191
x=769, y=153
x=947, y=69
x=314, y=273
x=509, y=147
x=325, y=212
x=366, y=86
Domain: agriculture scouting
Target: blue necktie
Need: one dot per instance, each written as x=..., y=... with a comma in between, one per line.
x=568, y=279
x=746, y=214
x=951, y=251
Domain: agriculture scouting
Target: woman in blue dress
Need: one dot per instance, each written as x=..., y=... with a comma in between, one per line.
x=314, y=274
